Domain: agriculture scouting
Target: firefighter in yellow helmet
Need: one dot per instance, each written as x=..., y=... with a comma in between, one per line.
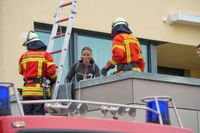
x=35, y=65
x=126, y=49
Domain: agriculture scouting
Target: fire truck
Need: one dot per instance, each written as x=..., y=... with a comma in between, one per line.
x=69, y=116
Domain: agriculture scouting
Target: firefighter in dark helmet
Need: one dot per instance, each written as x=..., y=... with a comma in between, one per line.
x=126, y=49
x=35, y=66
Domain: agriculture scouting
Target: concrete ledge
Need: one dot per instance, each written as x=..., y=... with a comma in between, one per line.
x=139, y=75
x=131, y=87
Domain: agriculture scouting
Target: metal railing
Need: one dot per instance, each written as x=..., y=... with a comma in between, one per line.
x=72, y=107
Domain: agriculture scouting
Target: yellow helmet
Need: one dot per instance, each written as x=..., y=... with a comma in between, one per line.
x=30, y=37
x=118, y=21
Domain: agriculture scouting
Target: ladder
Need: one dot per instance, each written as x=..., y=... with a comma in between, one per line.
x=66, y=35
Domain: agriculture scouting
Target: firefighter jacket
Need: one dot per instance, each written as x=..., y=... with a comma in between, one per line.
x=36, y=64
x=126, y=49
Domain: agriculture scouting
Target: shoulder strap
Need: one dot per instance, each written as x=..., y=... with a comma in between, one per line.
x=77, y=66
x=93, y=67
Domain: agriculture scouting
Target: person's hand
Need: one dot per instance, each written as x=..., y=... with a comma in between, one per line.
x=109, y=65
x=106, y=68
x=51, y=82
x=104, y=71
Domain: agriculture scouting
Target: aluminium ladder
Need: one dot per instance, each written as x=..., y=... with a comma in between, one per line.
x=66, y=35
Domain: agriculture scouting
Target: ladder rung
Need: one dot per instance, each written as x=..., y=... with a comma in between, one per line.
x=66, y=4
x=62, y=20
x=58, y=36
x=55, y=52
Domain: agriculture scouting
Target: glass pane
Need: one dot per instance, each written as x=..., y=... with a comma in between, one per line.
x=102, y=50
x=170, y=71
x=145, y=56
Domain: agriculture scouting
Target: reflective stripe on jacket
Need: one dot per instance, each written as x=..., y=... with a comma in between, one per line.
x=36, y=64
x=126, y=49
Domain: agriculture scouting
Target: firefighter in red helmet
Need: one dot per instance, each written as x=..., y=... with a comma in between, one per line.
x=126, y=49
x=35, y=66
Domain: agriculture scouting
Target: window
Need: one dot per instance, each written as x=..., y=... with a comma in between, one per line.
x=171, y=71
x=100, y=43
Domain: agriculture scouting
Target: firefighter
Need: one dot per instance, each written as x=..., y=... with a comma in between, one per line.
x=35, y=66
x=126, y=49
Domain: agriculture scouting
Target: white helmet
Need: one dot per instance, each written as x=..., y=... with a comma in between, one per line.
x=118, y=21
x=30, y=37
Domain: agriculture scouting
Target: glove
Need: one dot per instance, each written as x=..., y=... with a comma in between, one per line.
x=109, y=66
x=104, y=71
x=106, y=68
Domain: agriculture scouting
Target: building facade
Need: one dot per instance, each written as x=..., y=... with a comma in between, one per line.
x=168, y=41
x=168, y=48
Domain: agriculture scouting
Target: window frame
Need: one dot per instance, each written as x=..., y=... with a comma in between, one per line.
x=73, y=43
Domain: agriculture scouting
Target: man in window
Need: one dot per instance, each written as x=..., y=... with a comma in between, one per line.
x=126, y=49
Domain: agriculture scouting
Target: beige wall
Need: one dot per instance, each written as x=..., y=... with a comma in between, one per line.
x=145, y=18
x=1, y=41
x=18, y=17
x=195, y=73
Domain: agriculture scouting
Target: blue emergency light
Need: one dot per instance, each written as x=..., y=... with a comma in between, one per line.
x=164, y=110
x=4, y=101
